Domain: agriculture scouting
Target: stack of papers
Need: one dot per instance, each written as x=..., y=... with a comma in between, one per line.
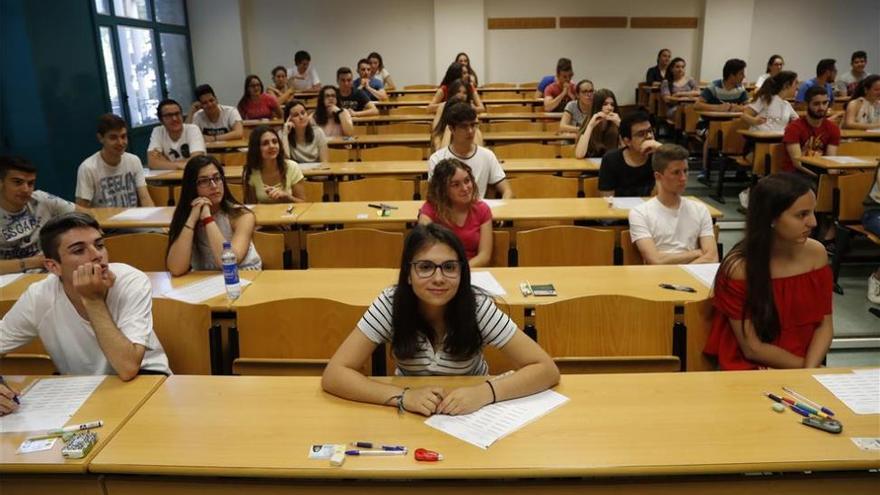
x=487, y=282
x=859, y=390
x=50, y=403
x=137, y=213
x=202, y=290
x=704, y=272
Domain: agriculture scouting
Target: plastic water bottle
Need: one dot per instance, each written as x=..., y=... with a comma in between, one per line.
x=230, y=272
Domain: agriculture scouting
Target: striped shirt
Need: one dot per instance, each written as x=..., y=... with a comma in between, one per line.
x=495, y=327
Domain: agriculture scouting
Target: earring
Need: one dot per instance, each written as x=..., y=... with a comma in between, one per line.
x=772, y=225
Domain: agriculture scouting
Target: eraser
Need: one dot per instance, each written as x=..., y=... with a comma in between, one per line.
x=338, y=457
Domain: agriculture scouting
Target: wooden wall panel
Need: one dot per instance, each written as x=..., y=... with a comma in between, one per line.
x=592, y=22
x=522, y=23
x=664, y=22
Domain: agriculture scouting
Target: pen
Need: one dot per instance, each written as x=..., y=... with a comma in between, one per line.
x=805, y=407
x=797, y=407
x=375, y=452
x=289, y=209
x=808, y=401
x=370, y=445
x=381, y=206
x=15, y=396
x=84, y=426
x=530, y=287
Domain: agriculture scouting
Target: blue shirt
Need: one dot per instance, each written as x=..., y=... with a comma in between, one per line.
x=546, y=81
x=802, y=91
x=374, y=83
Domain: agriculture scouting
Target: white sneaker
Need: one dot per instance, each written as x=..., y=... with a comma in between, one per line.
x=874, y=289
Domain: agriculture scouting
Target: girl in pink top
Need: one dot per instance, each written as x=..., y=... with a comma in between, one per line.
x=454, y=202
x=255, y=104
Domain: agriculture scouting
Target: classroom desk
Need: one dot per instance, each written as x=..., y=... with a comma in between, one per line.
x=114, y=402
x=823, y=164
x=424, y=139
x=655, y=433
x=267, y=214
x=763, y=140
x=259, y=122
x=383, y=105
x=719, y=116
x=489, y=117
x=228, y=145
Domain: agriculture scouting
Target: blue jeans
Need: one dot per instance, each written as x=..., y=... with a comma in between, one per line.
x=871, y=221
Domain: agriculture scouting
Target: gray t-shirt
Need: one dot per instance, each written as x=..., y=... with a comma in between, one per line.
x=304, y=152
x=577, y=117
x=110, y=186
x=20, y=231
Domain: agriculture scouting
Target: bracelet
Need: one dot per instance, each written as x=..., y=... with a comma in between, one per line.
x=207, y=220
x=400, y=408
x=187, y=227
x=21, y=265
x=492, y=388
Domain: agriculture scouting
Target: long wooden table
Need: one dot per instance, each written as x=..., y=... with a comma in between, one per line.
x=630, y=433
x=267, y=214
x=823, y=164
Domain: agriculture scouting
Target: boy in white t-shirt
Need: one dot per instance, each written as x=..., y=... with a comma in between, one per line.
x=669, y=229
x=303, y=77
x=217, y=122
x=111, y=177
x=93, y=317
x=173, y=143
x=462, y=120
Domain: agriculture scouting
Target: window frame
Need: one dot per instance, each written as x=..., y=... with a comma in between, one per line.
x=156, y=28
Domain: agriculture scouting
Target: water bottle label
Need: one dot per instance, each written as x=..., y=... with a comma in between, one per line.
x=230, y=274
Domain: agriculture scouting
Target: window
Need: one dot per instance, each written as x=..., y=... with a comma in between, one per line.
x=146, y=56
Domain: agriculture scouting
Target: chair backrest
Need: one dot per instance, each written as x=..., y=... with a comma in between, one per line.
x=853, y=188
x=516, y=126
x=383, y=153
x=376, y=189
x=602, y=326
x=410, y=110
x=299, y=332
x=420, y=86
x=565, y=150
x=858, y=148
x=525, y=150
x=631, y=254
x=544, y=186
x=691, y=118
x=237, y=191
x=233, y=159
x=499, y=95
x=529, y=85
x=500, y=248
x=591, y=187
x=184, y=331
x=404, y=128
x=144, y=250
x=270, y=246
x=354, y=248
x=776, y=154
x=314, y=191
x=507, y=108
x=565, y=245
x=500, y=85
x=161, y=195
x=698, y=320
x=617, y=364
x=339, y=154
x=733, y=142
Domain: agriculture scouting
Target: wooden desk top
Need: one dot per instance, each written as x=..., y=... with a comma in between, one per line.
x=352, y=212
x=359, y=287
x=162, y=282
x=11, y=292
x=259, y=122
x=711, y=115
x=425, y=139
x=267, y=214
x=614, y=425
x=426, y=101
x=521, y=116
x=226, y=145
x=114, y=402
x=518, y=136
x=824, y=162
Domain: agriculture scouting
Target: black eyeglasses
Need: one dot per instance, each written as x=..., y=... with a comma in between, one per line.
x=209, y=181
x=427, y=268
x=172, y=115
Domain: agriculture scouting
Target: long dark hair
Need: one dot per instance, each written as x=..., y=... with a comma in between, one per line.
x=438, y=187
x=254, y=163
x=862, y=87
x=770, y=62
x=770, y=197
x=321, y=115
x=469, y=66
x=660, y=53
x=189, y=192
x=456, y=86
x=453, y=72
x=291, y=136
x=669, y=76
x=443, y=121
x=377, y=57
x=244, y=97
x=773, y=85
x=463, y=338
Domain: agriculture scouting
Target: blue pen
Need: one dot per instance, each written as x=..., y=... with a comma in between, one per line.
x=808, y=401
x=14, y=397
x=375, y=452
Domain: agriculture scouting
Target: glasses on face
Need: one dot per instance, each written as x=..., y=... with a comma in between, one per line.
x=214, y=180
x=173, y=115
x=587, y=91
x=643, y=134
x=427, y=268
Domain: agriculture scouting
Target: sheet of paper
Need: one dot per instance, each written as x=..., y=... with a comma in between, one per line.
x=29, y=446
x=495, y=421
x=845, y=159
x=487, y=282
x=864, y=443
x=597, y=161
x=859, y=391
x=494, y=203
x=312, y=166
x=704, y=272
x=8, y=279
x=137, y=213
x=151, y=172
x=50, y=403
x=625, y=203
x=202, y=290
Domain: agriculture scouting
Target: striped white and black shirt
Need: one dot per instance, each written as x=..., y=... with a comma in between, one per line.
x=496, y=328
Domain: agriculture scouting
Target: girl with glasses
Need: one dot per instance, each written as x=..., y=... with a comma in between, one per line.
x=255, y=104
x=206, y=216
x=437, y=324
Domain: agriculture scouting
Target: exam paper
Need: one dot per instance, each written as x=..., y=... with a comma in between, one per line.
x=495, y=421
x=845, y=159
x=50, y=403
x=149, y=172
x=487, y=282
x=494, y=203
x=625, y=203
x=8, y=279
x=202, y=290
x=859, y=391
x=137, y=213
x=597, y=161
x=704, y=272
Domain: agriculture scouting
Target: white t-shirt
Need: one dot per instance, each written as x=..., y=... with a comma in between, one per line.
x=483, y=163
x=191, y=141
x=778, y=113
x=45, y=311
x=224, y=123
x=20, y=230
x=496, y=328
x=110, y=186
x=302, y=82
x=673, y=231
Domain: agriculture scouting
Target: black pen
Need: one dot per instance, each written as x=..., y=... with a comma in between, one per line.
x=14, y=397
x=682, y=288
x=382, y=206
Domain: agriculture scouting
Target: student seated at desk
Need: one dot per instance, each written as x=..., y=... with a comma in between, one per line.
x=217, y=122
x=330, y=117
x=437, y=324
x=656, y=74
x=355, y=100
x=255, y=104
x=94, y=317
x=303, y=76
x=267, y=176
x=463, y=59
x=627, y=171
x=578, y=111
x=600, y=131
x=669, y=229
x=112, y=177
x=826, y=72
x=774, y=66
x=848, y=81
x=562, y=90
x=542, y=85
x=454, y=202
x=441, y=134
x=677, y=83
x=463, y=125
x=371, y=86
x=378, y=70
x=206, y=216
x=770, y=111
x=23, y=212
x=462, y=74
x=174, y=142
x=813, y=135
x=280, y=89
x=303, y=141
x=773, y=290
x=863, y=111
x=723, y=95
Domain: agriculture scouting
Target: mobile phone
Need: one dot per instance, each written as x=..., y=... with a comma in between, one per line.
x=829, y=425
x=682, y=288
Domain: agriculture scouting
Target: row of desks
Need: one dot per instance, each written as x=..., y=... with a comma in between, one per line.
x=426, y=118
x=630, y=433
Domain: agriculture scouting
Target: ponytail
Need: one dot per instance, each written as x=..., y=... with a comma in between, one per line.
x=774, y=85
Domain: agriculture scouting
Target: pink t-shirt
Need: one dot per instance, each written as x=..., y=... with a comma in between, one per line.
x=260, y=109
x=469, y=233
x=553, y=91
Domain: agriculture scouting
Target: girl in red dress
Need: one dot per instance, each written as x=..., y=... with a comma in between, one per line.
x=773, y=290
